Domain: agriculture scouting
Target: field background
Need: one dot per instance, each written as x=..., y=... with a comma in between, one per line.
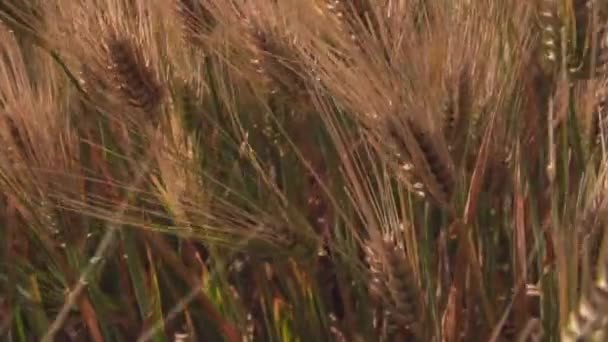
x=303, y=170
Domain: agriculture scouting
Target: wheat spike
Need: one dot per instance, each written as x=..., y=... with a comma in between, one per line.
x=343, y=15
x=532, y=332
x=590, y=35
x=355, y=19
x=552, y=21
x=135, y=78
x=457, y=106
x=20, y=140
x=602, y=57
x=196, y=19
x=277, y=63
x=450, y=114
x=591, y=315
x=285, y=241
x=439, y=179
x=590, y=318
x=15, y=147
x=393, y=286
x=550, y=24
x=598, y=124
x=439, y=168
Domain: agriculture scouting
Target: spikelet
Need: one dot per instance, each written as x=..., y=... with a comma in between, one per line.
x=133, y=75
x=392, y=285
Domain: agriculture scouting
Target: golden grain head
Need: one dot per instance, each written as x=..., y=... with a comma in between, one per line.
x=392, y=284
x=196, y=19
x=133, y=74
x=438, y=166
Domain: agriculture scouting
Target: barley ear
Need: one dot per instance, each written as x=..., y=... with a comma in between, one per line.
x=457, y=108
x=133, y=75
x=393, y=286
x=196, y=19
x=276, y=61
x=550, y=24
x=598, y=120
x=590, y=317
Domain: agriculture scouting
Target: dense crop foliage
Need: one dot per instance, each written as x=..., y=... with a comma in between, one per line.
x=303, y=170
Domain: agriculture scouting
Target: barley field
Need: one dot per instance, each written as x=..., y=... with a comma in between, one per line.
x=303, y=170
